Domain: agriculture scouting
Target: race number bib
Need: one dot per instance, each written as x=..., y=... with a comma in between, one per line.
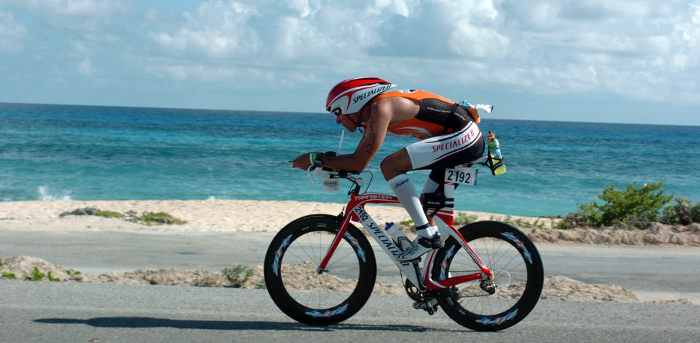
x=464, y=176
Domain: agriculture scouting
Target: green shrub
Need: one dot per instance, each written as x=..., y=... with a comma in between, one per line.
x=238, y=275
x=406, y=222
x=671, y=212
x=683, y=212
x=109, y=214
x=633, y=205
x=573, y=220
x=464, y=219
x=8, y=274
x=508, y=220
x=160, y=218
x=149, y=218
x=36, y=275
x=53, y=278
x=539, y=224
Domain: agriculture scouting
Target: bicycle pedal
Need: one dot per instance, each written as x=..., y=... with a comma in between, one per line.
x=429, y=306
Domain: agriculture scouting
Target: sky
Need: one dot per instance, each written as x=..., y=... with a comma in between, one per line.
x=630, y=61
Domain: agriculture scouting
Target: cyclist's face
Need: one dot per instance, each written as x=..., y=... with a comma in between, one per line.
x=344, y=119
x=347, y=123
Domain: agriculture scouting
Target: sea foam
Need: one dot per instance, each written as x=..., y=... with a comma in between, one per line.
x=44, y=194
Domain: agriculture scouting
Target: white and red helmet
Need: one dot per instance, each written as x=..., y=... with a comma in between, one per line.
x=350, y=95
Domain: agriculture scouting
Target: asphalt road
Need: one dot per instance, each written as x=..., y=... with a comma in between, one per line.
x=74, y=312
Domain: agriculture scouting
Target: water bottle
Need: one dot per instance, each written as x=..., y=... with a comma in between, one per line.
x=398, y=236
x=495, y=158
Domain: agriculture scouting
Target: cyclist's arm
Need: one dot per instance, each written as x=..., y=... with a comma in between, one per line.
x=377, y=124
x=380, y=116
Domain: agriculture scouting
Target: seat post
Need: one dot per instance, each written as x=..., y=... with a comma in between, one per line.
x=448, y=210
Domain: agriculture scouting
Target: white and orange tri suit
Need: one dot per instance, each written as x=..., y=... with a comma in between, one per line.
x=448, y=133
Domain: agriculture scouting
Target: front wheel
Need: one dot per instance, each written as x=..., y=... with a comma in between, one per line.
x=292, y=262
x=490, y=305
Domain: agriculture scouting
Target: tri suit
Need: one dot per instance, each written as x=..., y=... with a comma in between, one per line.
x=448, y=133
x=448, y=136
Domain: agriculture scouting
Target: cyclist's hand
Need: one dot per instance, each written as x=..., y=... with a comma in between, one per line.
x=302, y=162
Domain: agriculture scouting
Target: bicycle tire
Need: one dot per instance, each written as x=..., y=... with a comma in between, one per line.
x=509, y=254
x=291, y=263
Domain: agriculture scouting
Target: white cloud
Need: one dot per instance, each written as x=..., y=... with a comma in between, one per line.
x=11, y=32
x=636, y=48
x=82, y=8
x=300, y=6
x=84, y=67
x=184, y=72
x=152, y=15
x=272, y=30
x=633, y=48
x=82, y=15
x=397, y=7
x=216, y=30
x=639, y=49
x=686, y=52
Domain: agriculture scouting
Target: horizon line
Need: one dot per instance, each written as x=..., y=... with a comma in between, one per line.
x=322, y=113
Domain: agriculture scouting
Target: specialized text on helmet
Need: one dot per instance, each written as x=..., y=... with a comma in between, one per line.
x=371, y=92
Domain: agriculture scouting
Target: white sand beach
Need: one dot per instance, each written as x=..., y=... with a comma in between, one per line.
x=201, y=215
x=271, y=216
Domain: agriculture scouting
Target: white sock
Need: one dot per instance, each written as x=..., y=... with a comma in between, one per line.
x=430, y=186
x=428, y=232
x=403, y=187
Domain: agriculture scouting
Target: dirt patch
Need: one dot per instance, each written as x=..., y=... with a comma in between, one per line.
x=618, y=234
x=621, y=234
x=303, y=276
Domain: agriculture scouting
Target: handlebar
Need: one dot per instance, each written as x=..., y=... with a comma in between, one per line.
x=344, y=174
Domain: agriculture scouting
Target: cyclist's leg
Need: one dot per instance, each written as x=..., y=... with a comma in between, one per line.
x=441, y=152
x=434, y=198
x=394, y=168
x=437, y=152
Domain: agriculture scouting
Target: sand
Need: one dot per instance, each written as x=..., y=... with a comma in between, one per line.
x=555, y=288
x=270, y=216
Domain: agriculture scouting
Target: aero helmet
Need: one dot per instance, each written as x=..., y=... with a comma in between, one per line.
x=350, y=95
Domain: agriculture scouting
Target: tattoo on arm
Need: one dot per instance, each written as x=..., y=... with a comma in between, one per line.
x=370, y=146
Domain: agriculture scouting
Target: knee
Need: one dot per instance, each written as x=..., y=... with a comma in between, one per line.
x=386, y=167
x=390, y=168
x=395, y=164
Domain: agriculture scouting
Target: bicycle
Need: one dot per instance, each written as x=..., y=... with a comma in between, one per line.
x=487, y=277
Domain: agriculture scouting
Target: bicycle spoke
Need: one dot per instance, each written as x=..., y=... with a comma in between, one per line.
x=491, y=304
x=499, y=257
x=300, y=264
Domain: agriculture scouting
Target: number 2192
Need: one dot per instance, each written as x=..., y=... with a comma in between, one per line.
x=465, y=176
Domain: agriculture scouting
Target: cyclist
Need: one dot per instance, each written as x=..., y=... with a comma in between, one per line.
x=448, y=135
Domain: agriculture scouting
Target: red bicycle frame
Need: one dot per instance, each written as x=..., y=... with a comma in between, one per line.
x=354, y=211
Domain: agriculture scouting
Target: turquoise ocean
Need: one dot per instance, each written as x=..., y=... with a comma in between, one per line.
x=59, y=152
